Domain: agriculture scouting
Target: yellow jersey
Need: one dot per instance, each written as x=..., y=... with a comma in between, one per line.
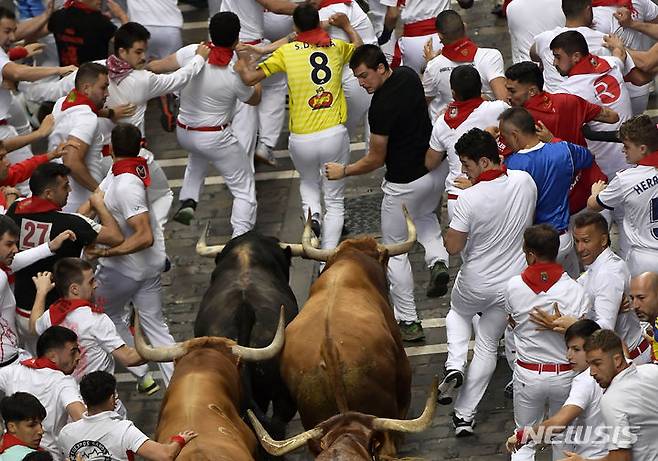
x=315, y=88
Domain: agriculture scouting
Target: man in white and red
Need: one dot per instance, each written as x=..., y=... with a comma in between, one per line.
x=47, y=377
x=606, y=22
x=459, y=50
x=76, y=122
x=578, y=15
x=542, y=374
x=525, y=24
x=563, y=115
x=265, y=121
x=487, y=229
x=99, y=342
x=635, y=191
x=467, y=111
x=131, y=271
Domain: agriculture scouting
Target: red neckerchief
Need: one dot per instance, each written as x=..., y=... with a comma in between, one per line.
x=458, y=111
x=62, y=307
x=650, y=160
x=220, y=55
x=460, y=51
x=40, y=363
x=541, y=102
x=317, y=37
x=36, y=204
x=542, y=276
x=79, y=6
x=133, y=165
x=490, y=175
x=402, y=3
x=11, y=278
x=618, y=3
x=324, y=3
x=118, y=69
x=590, y=64
x=78, y=99
x=10, y=440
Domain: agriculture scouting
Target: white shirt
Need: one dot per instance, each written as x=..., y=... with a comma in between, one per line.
x=125, y=197
x=436, y=78
x=607, y=90
x=636, y=191
x=358, y=19
x=5, y=95
x=163, y=13
x=54, y=390
x=607, y=281
x=629, y=405
x=525, y=24
x=586, y=394
x=104, y=436
x=140, y=86
x=251, y=15
x=97, y=338
x=541, y=346
x=82, y=123
x=377, y=15
x=552, y=78
x=444, y=138
x=210, y=98
x=419, y=10
x=494, y=214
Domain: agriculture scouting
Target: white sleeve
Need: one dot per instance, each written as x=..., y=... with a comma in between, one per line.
x=648, y=10
x=435, y=140
x=5, y=378
x=242, y=91
x=461, y=221
x=185, y=54
x=389, y=2
x=43, y=323
x=132, y=437
x=106, y=334
x=68, y=392
x=47, y=90
x=493, y=66
x=615, y=416
x=168, y=83
x=430, y=85
x=581, y=394
x=85, y=128
x=613, y=195
x=27, y=257
x=608, y=293
x=133, y=201
x=4, y=60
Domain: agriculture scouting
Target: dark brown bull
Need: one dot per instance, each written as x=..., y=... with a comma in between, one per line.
x=205, y=395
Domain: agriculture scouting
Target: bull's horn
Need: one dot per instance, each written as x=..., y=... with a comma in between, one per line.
x=310, y=251
x=295, y=248
x=402, y=248
x=250, y=354
x=281, y=447
x=413, y=425
x=202, y=249
x=156, y=354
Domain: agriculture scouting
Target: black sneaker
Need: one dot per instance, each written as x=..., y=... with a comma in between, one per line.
x=439, y=278
x=463, y=428
x=316, y=227
x=411, y=331
x=509, y=390
x=451, y=382
x=185, y=213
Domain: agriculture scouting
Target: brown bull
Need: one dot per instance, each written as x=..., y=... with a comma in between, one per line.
x=204, y=395
x=343, y=351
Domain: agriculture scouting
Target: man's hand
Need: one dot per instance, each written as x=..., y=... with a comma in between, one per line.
x=624, y=17
x=123, y=111
x=428, y=51
x=511, y=444
x=203, y=50
x=543, y=133
x=493, y=131
x=188, y=435
x=34, y=49
x=117, y=12
x=62, y=148
x=97, y=199
x=63, y=71
x=625, y=305
x=46, y=127
x=462, y=182
x=613, y=42
x=56, y=243
x=554, y=322
x=340, y=20
x=571, y=456
x=334, y=170
x=43, y=282
x=598, y=187
x=93, y=251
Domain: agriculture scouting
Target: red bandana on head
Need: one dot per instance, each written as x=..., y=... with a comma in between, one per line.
x=220, y=55
x=40, y=363
x=490, y=175
x=10, y=440
x=460, y=51
x=78, y=99
x=590, y=64
x=650, y=160
x=317, y=37
x=61, y=308
x=458, y=111
x=542, y=276
x=36, y=204
x=79, y=6
x=324, y=3
x=541, y=102
x=134, y=165
x=618, y=3
x=118, y=69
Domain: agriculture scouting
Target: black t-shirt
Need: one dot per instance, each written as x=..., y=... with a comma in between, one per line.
x=38, y=228
x=399, y=110
x=81, y=36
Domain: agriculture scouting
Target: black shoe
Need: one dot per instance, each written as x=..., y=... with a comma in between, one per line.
x=185, y=213
x=451, y=382
x=439, y=278
x=463, y=428
x=411, y=331
x=316, y=227
x=509, y=390
x=498, y=10
x=167, y=266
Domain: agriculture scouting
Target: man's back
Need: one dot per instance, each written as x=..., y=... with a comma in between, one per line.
x=357, y=17
x=251, y=14
x=525, y=24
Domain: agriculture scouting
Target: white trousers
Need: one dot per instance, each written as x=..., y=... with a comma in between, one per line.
x=421, y=198
x=115, y=291
x=26, y=339
x=226, y=154
x=490, y=329
x=639, y=103
x=309, y=153
x=9, y=131
x=164, y=41
x=532, y=392
x=641, y=260
x=567, y=255
x=214, y=7
x=412, y=48
x=358, y=103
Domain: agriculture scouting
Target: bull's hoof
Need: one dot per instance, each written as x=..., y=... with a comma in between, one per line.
x=411, y=331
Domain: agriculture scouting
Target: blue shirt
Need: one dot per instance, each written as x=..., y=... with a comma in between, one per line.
x=552, y=167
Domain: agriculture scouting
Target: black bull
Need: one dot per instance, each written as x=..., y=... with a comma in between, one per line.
x=249, y=285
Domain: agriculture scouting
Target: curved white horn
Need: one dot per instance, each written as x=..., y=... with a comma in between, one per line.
x=310, y=250
x=413, y=425
x=281, y=447
x=250, y=354
x=402, y=248
x=156, y=354
x=202, y=249
x=296, y=249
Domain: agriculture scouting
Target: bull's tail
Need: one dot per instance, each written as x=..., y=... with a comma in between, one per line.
x=332, y=365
